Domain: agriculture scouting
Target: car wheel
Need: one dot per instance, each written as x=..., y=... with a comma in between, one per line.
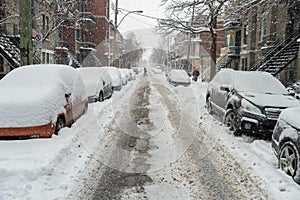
x=86, y=106
x=101, y=98
x=231, y=121
x=60, y=123
x=288, y=158
x=208, y=105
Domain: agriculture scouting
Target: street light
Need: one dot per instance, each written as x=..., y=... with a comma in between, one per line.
x=116, y=25
x=134, y=11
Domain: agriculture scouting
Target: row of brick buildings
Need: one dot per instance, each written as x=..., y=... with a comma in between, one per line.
x=76, y=33
x=263, y=35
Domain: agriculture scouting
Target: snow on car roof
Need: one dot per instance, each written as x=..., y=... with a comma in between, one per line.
x=178, y=71
x=91, y=74
x=179, y=75
x=291, y=116
x=37, y=75
x=114, y=73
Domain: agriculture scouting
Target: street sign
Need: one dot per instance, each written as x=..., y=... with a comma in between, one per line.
x=38, y=41
x=38, y=37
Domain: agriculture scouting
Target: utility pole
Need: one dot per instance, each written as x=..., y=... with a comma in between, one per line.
x=190, y=38
x=25, y=31
x=114, y=50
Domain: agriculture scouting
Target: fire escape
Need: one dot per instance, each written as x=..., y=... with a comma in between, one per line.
x=283, y=51
x=280, y=56
x=9, y=51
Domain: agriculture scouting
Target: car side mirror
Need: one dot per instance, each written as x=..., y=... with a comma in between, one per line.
x=67, y=95
x=291, y=92
x=225, y=88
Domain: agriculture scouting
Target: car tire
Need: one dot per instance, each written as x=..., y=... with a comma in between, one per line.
x=288, y=159
x=231, y=121
x=60, y=123
x=86, y=107
x=208, y=105
x=101, y=98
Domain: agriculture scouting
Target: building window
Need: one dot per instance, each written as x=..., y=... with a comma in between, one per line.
x=43, y=57
x=45, y=23
x=47, y=58
x=263, y=27
x=246, y=29
x=197, y=49
x=107, y=8
x=244, y=64
x=16, y=29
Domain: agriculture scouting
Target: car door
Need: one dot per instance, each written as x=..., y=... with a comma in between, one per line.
x=105, y=83
x=225, y=87
x=213, y=89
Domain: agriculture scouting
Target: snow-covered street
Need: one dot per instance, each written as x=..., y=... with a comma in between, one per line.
x=149, y=141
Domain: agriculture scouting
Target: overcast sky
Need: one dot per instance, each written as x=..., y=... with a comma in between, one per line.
x=132, y=21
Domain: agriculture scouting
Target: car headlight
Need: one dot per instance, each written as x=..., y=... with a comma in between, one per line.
x=250, y=107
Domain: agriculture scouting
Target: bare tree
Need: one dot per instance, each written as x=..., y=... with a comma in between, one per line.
x=179, y=19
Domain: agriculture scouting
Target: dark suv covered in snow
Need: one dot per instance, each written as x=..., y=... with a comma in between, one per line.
x=249, y=102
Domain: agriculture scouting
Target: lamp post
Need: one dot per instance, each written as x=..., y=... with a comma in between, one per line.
x=116, y=25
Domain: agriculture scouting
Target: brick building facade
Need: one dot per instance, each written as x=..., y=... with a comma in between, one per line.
x=263, y=36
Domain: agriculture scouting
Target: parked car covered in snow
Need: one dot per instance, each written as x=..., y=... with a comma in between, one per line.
x=116, y=77
x=132, y=74
x=286, y=142
x=125, y=75
x=97, y=82
x=157, y=70
x=39, y=100
x=178, y=77
x=249, y=102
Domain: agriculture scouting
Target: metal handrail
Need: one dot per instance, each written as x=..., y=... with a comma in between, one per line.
x=279, y=45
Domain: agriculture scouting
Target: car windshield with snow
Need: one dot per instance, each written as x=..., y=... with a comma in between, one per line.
x=250, y=102
x=39, y=100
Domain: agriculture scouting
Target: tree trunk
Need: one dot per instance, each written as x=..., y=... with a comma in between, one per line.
x=25, y=32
